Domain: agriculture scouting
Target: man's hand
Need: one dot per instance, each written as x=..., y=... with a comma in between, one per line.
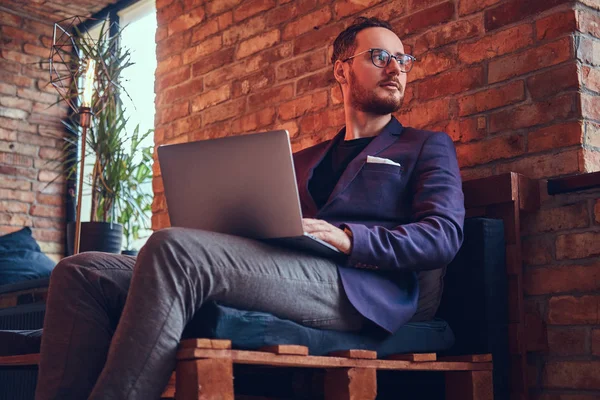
x=328, y=233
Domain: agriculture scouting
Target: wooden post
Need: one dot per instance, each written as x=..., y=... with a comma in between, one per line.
x=469, y=385
x=351, y=384
x=204, y=379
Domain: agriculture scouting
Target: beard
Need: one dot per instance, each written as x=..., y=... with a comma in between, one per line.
x=370, y=102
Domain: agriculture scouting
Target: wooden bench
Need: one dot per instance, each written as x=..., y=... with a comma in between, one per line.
x=205, y=366
x=205, y=370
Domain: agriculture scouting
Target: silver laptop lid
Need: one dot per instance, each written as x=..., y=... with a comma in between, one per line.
x=240, y=185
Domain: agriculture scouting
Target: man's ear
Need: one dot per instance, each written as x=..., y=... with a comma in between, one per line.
x=338, y=72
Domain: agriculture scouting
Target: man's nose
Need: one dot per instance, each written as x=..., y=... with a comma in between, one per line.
x=393, y=68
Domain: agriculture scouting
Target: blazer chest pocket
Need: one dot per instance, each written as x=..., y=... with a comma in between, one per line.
x=379, y=185
x=387, y=168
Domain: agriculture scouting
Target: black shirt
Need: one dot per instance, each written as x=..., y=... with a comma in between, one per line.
x=328, y=172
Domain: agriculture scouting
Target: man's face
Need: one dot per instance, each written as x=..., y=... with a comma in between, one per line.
x=372, y=89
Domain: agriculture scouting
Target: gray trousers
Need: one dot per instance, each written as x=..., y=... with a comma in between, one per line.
x=113, y=323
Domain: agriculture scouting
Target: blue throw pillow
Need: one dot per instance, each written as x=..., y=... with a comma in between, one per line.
x=21, y=258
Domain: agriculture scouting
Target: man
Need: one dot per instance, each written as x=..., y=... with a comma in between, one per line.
x=387, y=196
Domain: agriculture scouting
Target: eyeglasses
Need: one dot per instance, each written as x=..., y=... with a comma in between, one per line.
x=381, y=59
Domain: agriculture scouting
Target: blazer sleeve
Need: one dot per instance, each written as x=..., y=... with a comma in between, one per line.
x=436, y=234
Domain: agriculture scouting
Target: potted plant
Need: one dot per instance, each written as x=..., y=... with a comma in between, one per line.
x=114, y=154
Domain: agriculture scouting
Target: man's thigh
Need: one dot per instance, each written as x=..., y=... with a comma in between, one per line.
x=253, y=275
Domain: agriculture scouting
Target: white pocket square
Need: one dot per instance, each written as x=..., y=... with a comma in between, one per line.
x=379, y=160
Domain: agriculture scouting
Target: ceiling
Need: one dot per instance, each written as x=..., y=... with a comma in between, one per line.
x=54, y=10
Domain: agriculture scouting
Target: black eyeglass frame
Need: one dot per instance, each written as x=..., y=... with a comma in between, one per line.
x=397, y=58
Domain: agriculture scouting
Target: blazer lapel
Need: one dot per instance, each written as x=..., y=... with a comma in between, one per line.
x=314, y=161
x=382, y=141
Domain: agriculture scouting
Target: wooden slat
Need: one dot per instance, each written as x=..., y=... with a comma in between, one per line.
x=491, y=190
x=169, y=392
x=205, y=343
x=469, y=385
x=25, y=359
x=286, y=349
x=416, y=357
x=362, y=354
x=474, y=358
x=262, y=358
x=350, y=384
x=529, y=194
x=574, y=183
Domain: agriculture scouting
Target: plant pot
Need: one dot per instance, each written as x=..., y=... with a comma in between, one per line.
x=130, y=252
x=96, y=236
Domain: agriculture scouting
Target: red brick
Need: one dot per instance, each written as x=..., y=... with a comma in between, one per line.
x=562, y=279
x=210, y=98
x=173, y=45
x=271, y=96
x=167, y=13
x=46, y=211
x=174, y=112
x=18, y=195
x=185, y=125
x=516, y=10
x=254, y=121
x=555, y=25
x=162, y=32
x=555, y=137
x=344, y=8
x=577, y=245
x=544, y=165
x=470, y=6
x=307, y=23
x=590, y=106
x=390, y=10
x=37, y=96
x=557, y=219
x=251, y=7
x=48, y=223
x=591, y=78
x=244, y=30
x=18, y=34
x=592, y=134
x=451, y=82
x=530, y=60
x=316, y=39
x=268, y=57
x=484, y=151
x=209, y=28
x=20, y=57
x=302, y=105
x=211, y=62
x=301, y=65
x=50, y=199
x=434, y=62
x=588, y=50
x=50, y=176
x=13, y=113
x=424, y=114
x=8, y=89
x=15, y=102
x=161, y=221
x=219, y=6
x=489, y=99
x=254, y=83
x=570, y=310
x=225, y=20
x=9, y=18
x=190, y=88
x=19, y=220
x=337, y=97
x=258, y=43
x=317, y=80
x=208, y=46
x=588, y=22
x=168, y=64
x=572, y=375
x=172, y=79
x=424, y=19
x=224, y=111
x=448, y=33
x=13, y=206
x=567, y=341
x=596, y=342
x=470, y=129
x=319, y=122
x=496, y=44
x=554, y=81
x=220, y=129
x=523, y=116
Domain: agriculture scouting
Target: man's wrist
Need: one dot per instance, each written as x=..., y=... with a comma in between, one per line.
x=348, y=233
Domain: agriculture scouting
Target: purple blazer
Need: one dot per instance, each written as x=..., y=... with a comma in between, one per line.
x=404, y=219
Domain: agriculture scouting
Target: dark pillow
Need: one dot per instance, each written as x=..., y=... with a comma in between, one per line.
x=21, y=258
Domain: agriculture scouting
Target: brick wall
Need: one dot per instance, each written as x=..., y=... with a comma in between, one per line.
x=515, y=83
x=30, y=133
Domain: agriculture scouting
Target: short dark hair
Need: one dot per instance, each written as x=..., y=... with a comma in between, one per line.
x=345, y=44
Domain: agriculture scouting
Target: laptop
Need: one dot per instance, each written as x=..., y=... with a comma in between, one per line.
x=239, y=185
